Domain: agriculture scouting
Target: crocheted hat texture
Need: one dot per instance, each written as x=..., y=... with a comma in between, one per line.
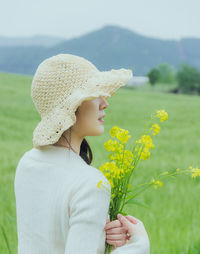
x=60, y=84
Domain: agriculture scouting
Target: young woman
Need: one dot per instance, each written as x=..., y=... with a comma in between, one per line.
x=58, y=205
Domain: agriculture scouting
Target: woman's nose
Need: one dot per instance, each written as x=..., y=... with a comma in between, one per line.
x=104, y=103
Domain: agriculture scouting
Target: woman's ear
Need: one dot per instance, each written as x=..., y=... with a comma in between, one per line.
x=76, y=110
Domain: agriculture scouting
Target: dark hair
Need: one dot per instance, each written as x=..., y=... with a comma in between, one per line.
x=86, y=152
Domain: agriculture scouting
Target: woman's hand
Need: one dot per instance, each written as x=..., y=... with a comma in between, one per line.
x=116, y=234
x=134, y=226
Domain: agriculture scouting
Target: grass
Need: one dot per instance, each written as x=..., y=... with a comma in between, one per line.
x=172, y=222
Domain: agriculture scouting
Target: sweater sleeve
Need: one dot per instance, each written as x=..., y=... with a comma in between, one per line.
x=136, y=245
x=89, y=209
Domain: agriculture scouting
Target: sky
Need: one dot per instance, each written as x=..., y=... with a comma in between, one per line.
x=164, y=19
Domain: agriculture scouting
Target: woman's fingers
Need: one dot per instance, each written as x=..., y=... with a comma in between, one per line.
x=107, y=220
x=117, y=223
x=117, y=243
x=112, y=224
x=118, y=230
x=132, y=219
x=116, y=236
x=116, y=233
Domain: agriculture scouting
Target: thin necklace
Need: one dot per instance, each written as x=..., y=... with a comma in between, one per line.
x=67, y=142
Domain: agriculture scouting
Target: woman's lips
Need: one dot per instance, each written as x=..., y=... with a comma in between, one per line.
x=101, y=120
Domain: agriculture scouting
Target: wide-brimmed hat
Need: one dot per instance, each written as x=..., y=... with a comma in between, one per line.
x=60, y=84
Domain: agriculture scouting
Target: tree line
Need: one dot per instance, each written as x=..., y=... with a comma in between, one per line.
x=187, y=77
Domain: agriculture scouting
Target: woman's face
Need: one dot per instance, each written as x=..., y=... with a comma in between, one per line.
x=87, y=115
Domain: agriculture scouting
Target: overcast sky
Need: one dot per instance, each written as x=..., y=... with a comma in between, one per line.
x=165, y=19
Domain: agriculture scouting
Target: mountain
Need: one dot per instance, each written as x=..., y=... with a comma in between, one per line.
x=110, y=47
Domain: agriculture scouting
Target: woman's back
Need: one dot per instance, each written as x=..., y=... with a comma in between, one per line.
x=51, y=184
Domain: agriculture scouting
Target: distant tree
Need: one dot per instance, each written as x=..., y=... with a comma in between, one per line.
x=153, y=76
x=167, y=73
x=188, y=79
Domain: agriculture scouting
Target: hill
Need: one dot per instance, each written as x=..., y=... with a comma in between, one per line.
x=110, y=47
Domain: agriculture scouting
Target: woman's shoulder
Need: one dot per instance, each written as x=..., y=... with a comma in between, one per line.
x=88, y=172
x=99, y=175
x=90, y=178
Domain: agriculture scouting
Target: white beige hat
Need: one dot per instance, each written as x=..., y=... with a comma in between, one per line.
x=61, y=83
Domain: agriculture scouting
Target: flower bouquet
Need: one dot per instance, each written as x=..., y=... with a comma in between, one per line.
x=120, y=168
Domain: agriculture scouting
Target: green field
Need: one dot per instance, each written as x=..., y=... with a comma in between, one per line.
x=173, y=221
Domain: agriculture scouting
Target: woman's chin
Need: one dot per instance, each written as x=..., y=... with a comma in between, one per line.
x=98, y=131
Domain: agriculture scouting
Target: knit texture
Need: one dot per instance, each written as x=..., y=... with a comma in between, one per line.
x=61, y=83
x=59, y=208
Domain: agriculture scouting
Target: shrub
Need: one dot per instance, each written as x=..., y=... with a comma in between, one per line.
x=167, y=73
x=153, y=75
x=188, y=78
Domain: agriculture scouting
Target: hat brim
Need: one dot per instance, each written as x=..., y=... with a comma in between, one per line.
x=105, y=83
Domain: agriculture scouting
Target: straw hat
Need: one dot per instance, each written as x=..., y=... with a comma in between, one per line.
x=60, y=84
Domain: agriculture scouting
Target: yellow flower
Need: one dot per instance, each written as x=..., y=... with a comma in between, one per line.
x=118, y=173
x=111, y=157
x=114, y=131
x=128, y=157
x=165, y=173
x=162, y=114
x=157, y=183
x=146, y=139
x=195, y=171
x=119, y=148
x=99, y=183
x=145, y=154
x=107, y=175
x=102, y=184
x=112, y=170
x=156, y=129
x=111, y=145
x=123, y=136
x=120, y=134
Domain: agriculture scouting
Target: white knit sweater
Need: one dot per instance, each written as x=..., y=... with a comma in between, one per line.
x=59, y=208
